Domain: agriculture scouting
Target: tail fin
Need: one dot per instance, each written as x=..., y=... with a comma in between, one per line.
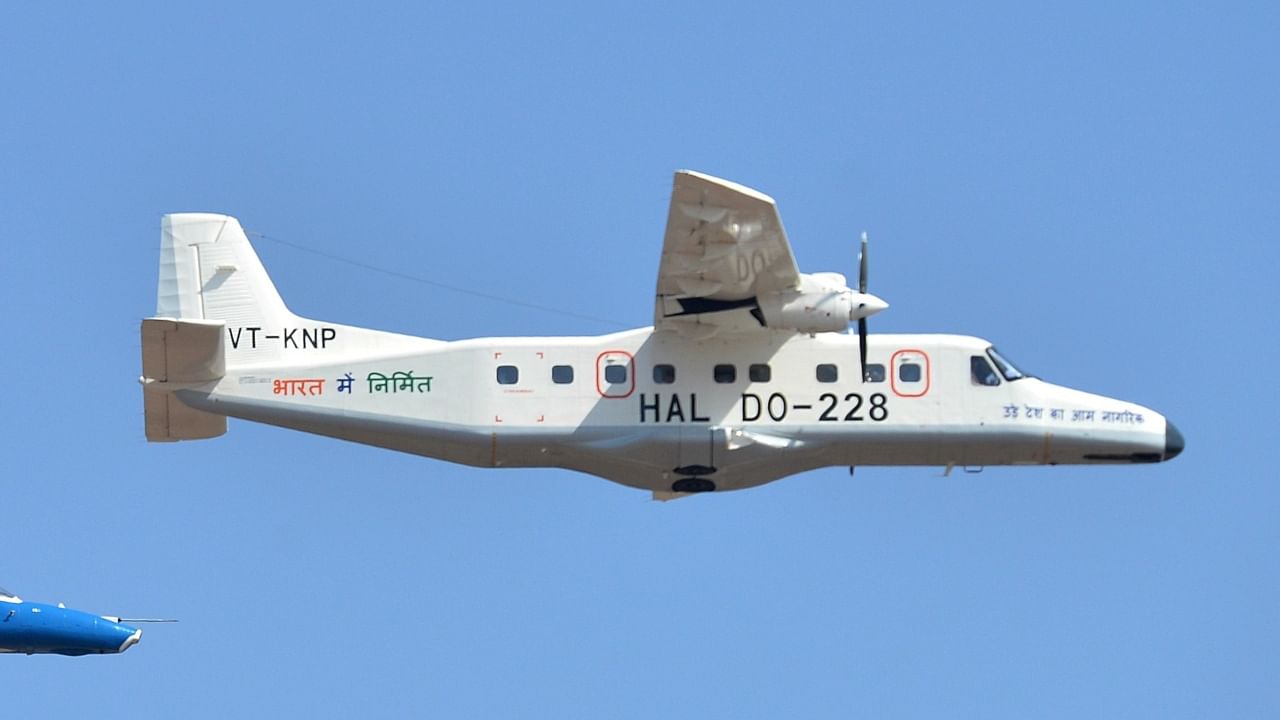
x=210, y=280
x=217, y=312
x=208, y=270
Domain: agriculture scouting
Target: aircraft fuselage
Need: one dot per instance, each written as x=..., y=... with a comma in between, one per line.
x=649, y=409
x=37, y=628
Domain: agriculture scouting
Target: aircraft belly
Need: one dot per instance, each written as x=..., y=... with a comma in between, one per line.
x=654, y=458
x=444, y=441
x=644, y=458
x=1054, y=445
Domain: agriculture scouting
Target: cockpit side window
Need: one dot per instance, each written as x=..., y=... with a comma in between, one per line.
x=1006, y=368
x=982, y=372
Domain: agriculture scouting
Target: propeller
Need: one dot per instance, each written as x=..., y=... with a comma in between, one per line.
x=862, y=318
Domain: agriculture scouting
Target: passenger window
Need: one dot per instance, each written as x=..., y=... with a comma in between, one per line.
x=760, y=373
x=508, y=374
x=664, y=374
x=909, y=372
x=982, y=372
x=827, y=373
x=615, y=374
x=725, y=373
x=562, y=374
x=875, y=373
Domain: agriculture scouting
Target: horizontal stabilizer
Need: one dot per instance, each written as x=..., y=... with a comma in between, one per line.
x=179, y=354
x=168, y=420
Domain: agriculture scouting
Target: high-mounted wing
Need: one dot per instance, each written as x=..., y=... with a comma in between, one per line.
x=724, y=249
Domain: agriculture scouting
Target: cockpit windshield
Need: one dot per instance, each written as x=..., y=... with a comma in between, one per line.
x=7, y=596
x=1006, y=368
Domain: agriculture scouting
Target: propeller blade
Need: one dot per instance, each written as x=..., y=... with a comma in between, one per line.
x=862, y=346
x=862, y=265
x=862, y=321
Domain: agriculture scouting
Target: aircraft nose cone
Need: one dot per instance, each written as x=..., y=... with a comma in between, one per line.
x=131, y=640
x=1173, y=442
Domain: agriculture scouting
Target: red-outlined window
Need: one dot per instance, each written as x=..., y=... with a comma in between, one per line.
x=605, y=384
x=908, y=388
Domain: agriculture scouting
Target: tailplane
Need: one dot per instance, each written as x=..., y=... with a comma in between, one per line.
x=180, y=354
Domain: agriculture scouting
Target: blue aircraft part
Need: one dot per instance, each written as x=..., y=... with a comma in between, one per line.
x=29, y=627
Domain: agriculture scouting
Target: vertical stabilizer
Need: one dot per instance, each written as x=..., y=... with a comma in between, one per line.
x=208, y=270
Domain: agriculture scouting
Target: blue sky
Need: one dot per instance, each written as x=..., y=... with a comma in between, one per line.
x=1092, y=187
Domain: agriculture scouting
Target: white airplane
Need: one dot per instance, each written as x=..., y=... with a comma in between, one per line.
x=749, y=373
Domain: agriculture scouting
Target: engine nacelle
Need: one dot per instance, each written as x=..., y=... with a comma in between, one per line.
x=824, y=303
x=809, y=312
